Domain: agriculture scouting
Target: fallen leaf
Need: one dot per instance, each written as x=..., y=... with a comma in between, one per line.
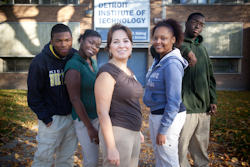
x=234, y=159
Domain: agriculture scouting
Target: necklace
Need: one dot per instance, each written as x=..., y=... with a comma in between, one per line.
x=121, y=66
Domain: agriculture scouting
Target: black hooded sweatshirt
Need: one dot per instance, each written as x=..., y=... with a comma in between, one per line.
x=47, y=92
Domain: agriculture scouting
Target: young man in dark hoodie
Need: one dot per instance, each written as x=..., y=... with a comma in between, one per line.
x=198, y=95
x=48, y=98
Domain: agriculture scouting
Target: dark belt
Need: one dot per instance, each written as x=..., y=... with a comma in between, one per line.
x=161, y=111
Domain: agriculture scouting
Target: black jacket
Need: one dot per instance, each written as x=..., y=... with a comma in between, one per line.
x=47, y=92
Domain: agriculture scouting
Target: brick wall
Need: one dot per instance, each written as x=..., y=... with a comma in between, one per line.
x=213, y=13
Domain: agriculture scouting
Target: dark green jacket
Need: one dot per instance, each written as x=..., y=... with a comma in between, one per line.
x=198, y=85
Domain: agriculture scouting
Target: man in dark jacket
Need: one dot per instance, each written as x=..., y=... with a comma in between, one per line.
x=198, y=95
x=48, y=98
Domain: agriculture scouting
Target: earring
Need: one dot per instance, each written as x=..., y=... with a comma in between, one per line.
x=130, y=55
x=110, y=55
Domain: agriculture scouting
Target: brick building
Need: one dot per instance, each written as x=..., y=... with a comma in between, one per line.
x=25, y=28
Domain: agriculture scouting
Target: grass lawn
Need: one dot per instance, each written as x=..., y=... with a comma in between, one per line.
x=230, y=127
x=15, y=115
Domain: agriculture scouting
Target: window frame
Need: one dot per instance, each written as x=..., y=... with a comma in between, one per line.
x=239, y=62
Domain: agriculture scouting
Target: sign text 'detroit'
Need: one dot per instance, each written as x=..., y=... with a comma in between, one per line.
x=133, y=14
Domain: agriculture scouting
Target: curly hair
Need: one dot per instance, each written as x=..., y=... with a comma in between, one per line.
x=174, y=26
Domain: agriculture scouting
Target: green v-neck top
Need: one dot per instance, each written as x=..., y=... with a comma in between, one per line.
x=87, y=84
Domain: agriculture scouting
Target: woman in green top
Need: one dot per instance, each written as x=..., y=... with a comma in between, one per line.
x=80, y=73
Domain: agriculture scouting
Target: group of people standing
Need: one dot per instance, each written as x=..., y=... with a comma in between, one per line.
x=76, y=101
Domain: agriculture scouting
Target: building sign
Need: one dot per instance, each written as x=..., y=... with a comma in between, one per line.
x=133, y=14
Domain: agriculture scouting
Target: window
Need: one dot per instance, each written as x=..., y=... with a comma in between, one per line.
x=60, y=2
x=226, y=65
x=53, y=2
x=26, y=1
x=206, y=1
x=12, y=64
x=223, y=42
x=226, y=1
x=193, y=1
